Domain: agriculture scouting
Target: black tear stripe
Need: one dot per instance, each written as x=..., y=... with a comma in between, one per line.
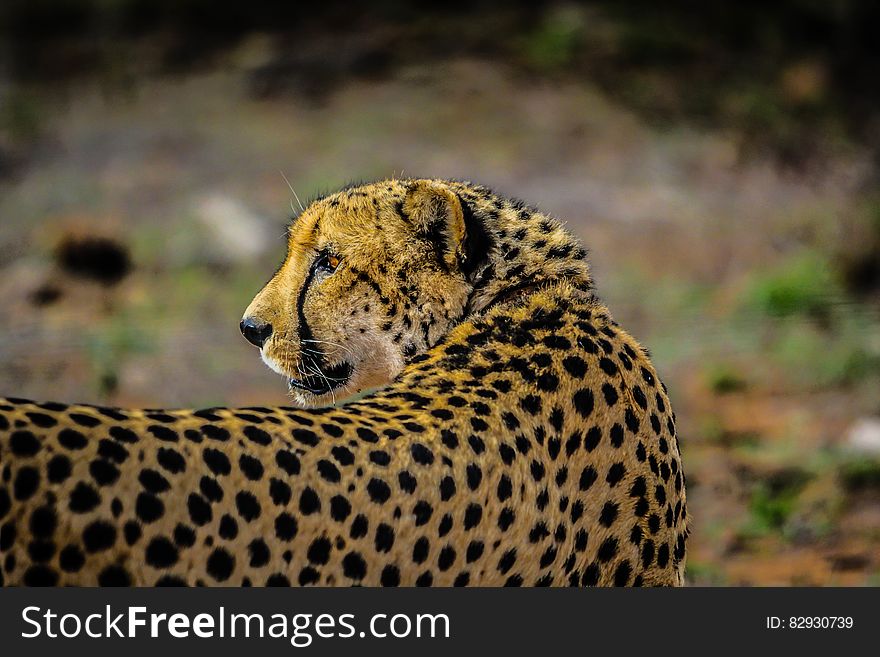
x=305, y=331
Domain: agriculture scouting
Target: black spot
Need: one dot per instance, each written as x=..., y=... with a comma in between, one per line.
x=112, y=450
x=354, y=566
x=98, y=536
x=41, y=551
x=588, y=477
x=250, y=467
x=259, y=553
x=40, y=576
x=608, y=514
x=583, y=402
x=474, y=476
x=114, y=576
x=288, y=462
x=280, y=492
x=359, y=526
x=42, y=420
x=340, y=508
x=390, y=576
x=328, y=471
x=319, y=551
x=384, y=538
x=161, y=553
x=163, y=433
x=592, y=438
x=43, y=522
x=632, y=423
x=607, y=550
x=507, y=560
x=210, y=489
x=531, y=404
x=407, y=482
x=71, y=439
x=199, y=509
x=228, y=528
x=647, y=553
x=308, y=575
x=286, y=527
x=309, y=502
x=85, y=420
x=103, y=472
x=615, y=474
x=220, y=564
x=184, y=536
x=152, y=481
x=638, y=488
x=71, y=559
x=58, y=469
x=575, y=366
x=472, y=516
x=420, y=550
x=215, y=433
x=83, y=498
x=260, y=437
x=622, y=573
x=171, y=460
x=378, y=490
x=24, y=443
x=247, y=505
x=148, y=507
x=663, y=556
x=506, y=518
x=447, y=488
x=123, y=435
x=446, y=558
x=217, y=461
x=132, y=532
x=26, y=482
x=422, y=454
x=477, y=444
x=367, y=435
x=608, y=366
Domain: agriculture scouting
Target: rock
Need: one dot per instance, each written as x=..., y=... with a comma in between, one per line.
x=864, y=436
x=236, y=234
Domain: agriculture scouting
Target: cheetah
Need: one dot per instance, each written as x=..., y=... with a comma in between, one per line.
x=464, y=411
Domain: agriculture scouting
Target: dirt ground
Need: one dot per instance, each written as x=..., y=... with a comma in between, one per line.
x=728, y=265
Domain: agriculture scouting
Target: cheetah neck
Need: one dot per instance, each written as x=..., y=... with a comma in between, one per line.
x=526, y=250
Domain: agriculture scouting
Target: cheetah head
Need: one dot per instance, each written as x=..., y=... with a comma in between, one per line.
x=373, y=276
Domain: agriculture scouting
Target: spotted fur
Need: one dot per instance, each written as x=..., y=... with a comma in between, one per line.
x=500, y=428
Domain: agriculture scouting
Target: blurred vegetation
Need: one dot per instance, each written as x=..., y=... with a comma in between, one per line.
x=798, y=75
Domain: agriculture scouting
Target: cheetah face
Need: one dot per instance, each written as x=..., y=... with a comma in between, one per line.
x=373, y=276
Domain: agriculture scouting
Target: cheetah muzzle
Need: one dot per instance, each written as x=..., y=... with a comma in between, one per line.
x=464, y=412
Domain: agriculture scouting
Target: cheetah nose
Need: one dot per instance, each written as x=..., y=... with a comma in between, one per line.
x=255, y=331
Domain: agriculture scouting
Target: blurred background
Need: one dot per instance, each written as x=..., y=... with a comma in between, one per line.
x=720, y=161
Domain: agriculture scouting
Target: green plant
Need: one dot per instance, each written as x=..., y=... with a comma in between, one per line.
x=775, y=498
x=553, y=44
x=804, y=284
x=860, y=475
x=723, y=380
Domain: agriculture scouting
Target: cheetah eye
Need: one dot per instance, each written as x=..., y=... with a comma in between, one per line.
x=328, y=262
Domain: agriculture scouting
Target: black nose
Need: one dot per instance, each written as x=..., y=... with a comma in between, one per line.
x=255, y=331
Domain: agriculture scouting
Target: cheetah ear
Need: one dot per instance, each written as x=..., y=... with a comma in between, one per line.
x=440, y=216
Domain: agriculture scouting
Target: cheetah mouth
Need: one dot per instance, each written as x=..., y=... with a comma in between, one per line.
x=331, y=378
